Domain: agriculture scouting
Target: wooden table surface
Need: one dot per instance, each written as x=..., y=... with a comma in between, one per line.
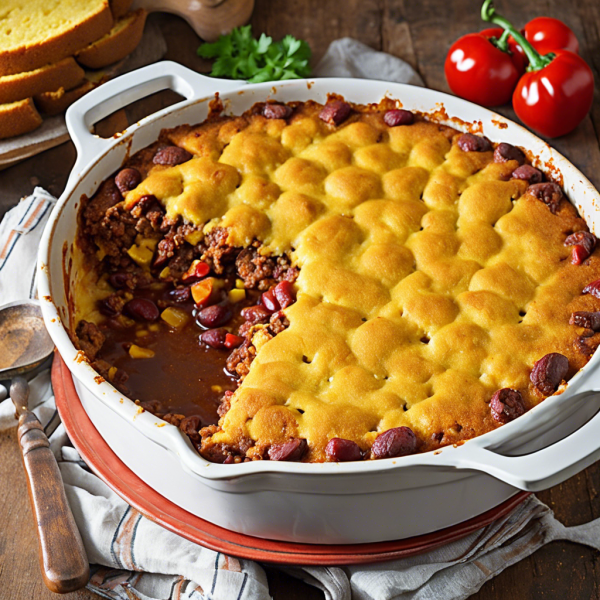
x=420, y=33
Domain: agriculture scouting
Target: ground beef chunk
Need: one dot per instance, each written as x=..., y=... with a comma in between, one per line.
x=90, y=338
x=254, y=268
x=222, y=453
x=113, y=304
x=173, y=251
x=261, y=272
x=173, y=418
x=225, y=404
x=238, y=362
x=278, y=323
x=107, y=196
x=217, y=252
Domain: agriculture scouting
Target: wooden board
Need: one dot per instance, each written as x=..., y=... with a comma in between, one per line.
x=419, y=32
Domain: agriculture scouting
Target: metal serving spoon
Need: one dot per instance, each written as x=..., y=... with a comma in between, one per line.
x=24, y=345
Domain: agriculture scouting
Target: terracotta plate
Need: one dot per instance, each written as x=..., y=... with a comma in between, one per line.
x=105, y=463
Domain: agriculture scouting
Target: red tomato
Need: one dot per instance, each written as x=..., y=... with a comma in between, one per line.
x=556, y=98
x=546, y=35
x=517, y=55
x=478, y=71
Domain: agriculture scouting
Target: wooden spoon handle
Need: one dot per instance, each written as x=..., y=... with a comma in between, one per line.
x=63, y=559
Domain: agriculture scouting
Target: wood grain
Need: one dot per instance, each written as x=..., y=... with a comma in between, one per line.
x=62, y=557
x=420, y=33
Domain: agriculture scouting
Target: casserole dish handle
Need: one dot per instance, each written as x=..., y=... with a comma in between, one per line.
x=543, y=468
x=130, y=87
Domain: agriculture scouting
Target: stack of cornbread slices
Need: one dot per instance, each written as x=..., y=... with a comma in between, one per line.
x=45, y=46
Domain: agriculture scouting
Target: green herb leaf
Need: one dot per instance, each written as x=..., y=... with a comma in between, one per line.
x=240, y=56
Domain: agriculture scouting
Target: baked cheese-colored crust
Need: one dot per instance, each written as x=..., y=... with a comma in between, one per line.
x=39, y=32
x=429, y=279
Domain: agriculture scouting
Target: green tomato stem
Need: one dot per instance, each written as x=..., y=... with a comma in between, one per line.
x=536, y=60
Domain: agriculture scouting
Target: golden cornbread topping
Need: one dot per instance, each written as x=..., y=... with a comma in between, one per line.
x=420, y=287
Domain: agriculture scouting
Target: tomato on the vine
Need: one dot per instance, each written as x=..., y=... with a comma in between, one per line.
x=516, y=52
x=546, y=35
x=556, y=92
x=478, y=70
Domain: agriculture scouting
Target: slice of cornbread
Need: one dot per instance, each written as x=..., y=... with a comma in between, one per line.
x=18, y=117
x=34, y=33
x=120, y=8
x=53, y=103
x=65, y=73
x=115, y=45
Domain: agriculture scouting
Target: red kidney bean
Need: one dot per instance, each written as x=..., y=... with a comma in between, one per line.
x=277, y=111
x=191, y=427
x=127, y=179
x=284, y=293
x=270, y=302
x=468, y=142
x=255, y=314
x=592, y=288
x=292, y=450
x=215, y=338
x=214, y=316
x=506, y=405
x=119, y=280
x=548, y=372
x=180, y=294
x=171, y=156
x=142, y=309
x=398, y=116
x=341, y=450
x=528, y=173
x=549, y=193
x=233, y=341
x=505, y=152
x=399, y=441
x=578, y=255
x=582, y=238
x=335, y=112
x=589, y=320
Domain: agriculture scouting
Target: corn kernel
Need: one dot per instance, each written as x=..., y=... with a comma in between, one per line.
x=194, y=237
x=236, y=295
x=239, y=284
x=141, y=333
x=141, y=255
x=175, y=317
x=111, y=373
x=137, y=352
x=154, y=327
x=164, y=273
x=216, y=388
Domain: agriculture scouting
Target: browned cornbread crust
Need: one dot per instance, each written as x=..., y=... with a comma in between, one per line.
x=65, y=73
x=18, y=117
x=120, y=8
x=120, y=41
x=429, y=278
x=56, y=102
x=40, y=38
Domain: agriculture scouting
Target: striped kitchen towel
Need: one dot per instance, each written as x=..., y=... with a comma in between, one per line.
x=20, y=233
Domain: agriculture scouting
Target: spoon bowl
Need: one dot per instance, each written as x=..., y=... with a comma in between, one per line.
x=24, y=340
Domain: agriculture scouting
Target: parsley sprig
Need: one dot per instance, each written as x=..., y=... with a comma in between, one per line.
x=240, y=56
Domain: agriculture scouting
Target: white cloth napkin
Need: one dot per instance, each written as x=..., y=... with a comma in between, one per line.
x=135, y=558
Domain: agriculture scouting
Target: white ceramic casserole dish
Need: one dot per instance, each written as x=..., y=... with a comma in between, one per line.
x=319, y=503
